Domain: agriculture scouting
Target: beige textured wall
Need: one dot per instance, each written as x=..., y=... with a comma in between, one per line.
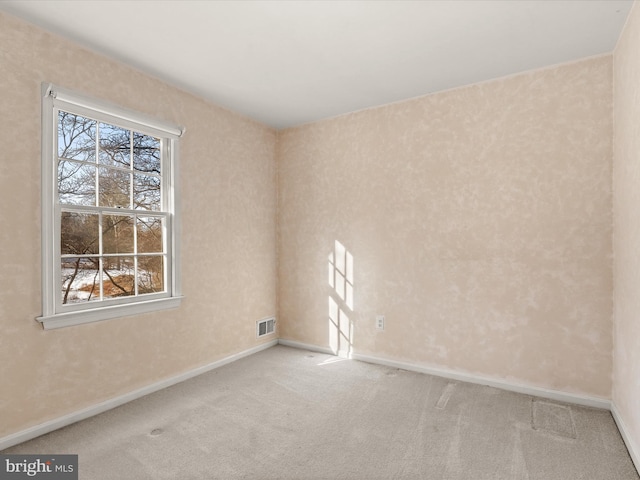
x=626, y=208
x=228, y=237
x=479, y=220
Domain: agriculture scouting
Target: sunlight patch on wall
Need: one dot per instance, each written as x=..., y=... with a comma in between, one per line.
x=340, y=300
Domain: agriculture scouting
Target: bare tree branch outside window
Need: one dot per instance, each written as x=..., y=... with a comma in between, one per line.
x=108, y=254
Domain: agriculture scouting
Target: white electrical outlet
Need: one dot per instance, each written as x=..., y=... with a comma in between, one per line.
x=380, y=322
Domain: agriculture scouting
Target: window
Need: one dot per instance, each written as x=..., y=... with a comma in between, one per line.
x=109, y=196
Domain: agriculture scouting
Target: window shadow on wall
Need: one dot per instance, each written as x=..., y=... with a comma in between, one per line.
x=340, y=300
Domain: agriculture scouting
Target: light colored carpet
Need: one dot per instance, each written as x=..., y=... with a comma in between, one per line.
x=291, y=414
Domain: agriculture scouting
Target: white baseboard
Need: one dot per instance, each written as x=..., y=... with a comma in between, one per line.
x=305, y=346
x=575, y=399
x=492, y=382
x=56, y=423
x=632, y=447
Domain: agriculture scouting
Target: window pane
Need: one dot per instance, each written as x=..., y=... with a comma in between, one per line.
x=117, y=278
x=146, y=192
x=146, y=153
x=149, y=234
x=115, y=186
x=79, y=233
x=80, y=280
x=150, y=274
x=76, y=183
x=115, y=146
x=108, y=212
x=76, y=137
x=117, y=234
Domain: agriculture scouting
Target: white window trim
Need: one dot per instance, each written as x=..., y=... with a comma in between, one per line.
x=57, y=97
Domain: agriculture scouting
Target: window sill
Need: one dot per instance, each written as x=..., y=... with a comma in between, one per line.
x=104, y=313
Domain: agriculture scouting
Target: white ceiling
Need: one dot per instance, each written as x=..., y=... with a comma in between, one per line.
x=285, y=63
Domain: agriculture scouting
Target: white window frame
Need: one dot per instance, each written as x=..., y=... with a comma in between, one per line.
x=54, y=314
